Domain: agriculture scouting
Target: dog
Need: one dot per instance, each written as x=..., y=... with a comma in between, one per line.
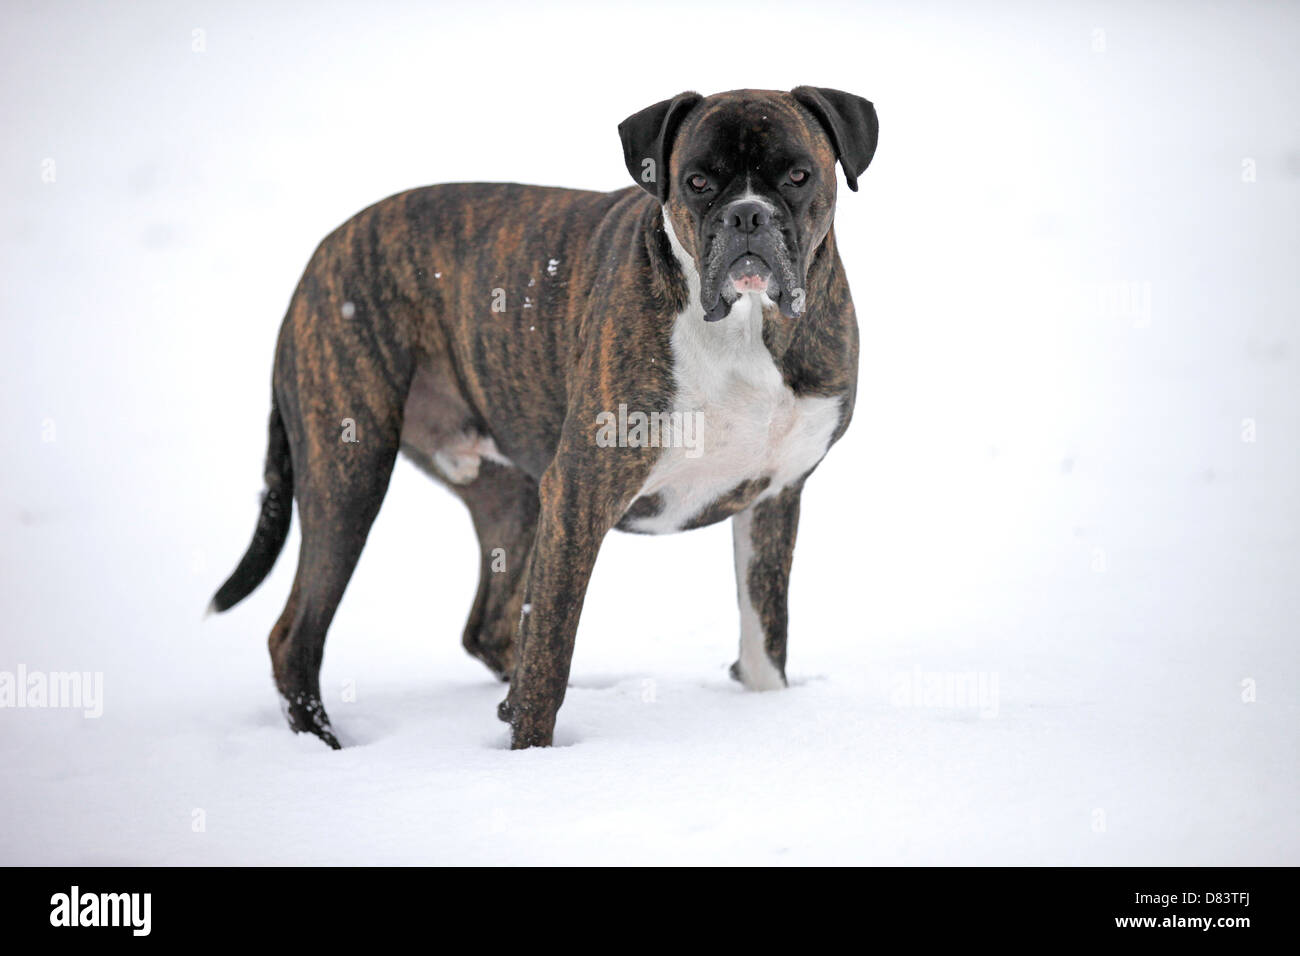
x=654, y=359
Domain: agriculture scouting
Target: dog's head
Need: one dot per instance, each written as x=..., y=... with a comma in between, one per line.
x=747, y=183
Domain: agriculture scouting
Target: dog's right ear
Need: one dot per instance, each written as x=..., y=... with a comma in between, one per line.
x=648, y=140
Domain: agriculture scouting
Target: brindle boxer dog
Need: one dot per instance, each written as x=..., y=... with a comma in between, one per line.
x=492, y=332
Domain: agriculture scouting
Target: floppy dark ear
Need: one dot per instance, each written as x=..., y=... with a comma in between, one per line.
x=648, y=140
x=850, y=122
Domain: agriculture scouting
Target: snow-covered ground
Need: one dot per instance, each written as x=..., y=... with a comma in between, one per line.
x=1073, y=475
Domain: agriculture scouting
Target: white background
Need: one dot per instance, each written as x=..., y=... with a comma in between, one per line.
x=1045, y=482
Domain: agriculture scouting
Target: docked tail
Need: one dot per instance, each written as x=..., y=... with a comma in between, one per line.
x=272, y=523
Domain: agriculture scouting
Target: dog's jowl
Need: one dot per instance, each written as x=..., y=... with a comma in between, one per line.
x=654, y=359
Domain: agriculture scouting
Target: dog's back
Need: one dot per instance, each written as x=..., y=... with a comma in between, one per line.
x=486, y=297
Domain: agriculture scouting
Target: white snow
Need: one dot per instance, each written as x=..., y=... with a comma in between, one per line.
x=1034, y=586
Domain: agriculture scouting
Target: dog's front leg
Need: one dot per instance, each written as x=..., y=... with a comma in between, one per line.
x=763, y=539
x=582, y=497
x=569, y=533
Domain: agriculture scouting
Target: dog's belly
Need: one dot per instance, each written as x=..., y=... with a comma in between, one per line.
x=438, y=432
x=752, y=435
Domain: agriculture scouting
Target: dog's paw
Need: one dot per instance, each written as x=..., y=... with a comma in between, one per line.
x=527, y=733
x=528, y=727
x=764, y=676
x=496, y=654
x=306, y=715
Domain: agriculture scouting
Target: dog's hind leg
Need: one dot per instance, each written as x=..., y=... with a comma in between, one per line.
x=336, y=518
x=341, y=393
x=444, y=438
x=503, y=501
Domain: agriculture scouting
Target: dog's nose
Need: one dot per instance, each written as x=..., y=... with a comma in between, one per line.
x=747, y=216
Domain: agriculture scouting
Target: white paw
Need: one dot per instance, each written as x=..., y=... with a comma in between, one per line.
x=757, y=672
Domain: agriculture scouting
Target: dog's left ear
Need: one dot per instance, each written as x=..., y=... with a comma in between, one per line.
x=850, y=122
x=648, y=140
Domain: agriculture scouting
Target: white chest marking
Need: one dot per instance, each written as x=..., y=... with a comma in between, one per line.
x=752, y=426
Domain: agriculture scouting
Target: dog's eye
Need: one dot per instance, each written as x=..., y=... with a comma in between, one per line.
x=798, y=176
x=698, y=183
